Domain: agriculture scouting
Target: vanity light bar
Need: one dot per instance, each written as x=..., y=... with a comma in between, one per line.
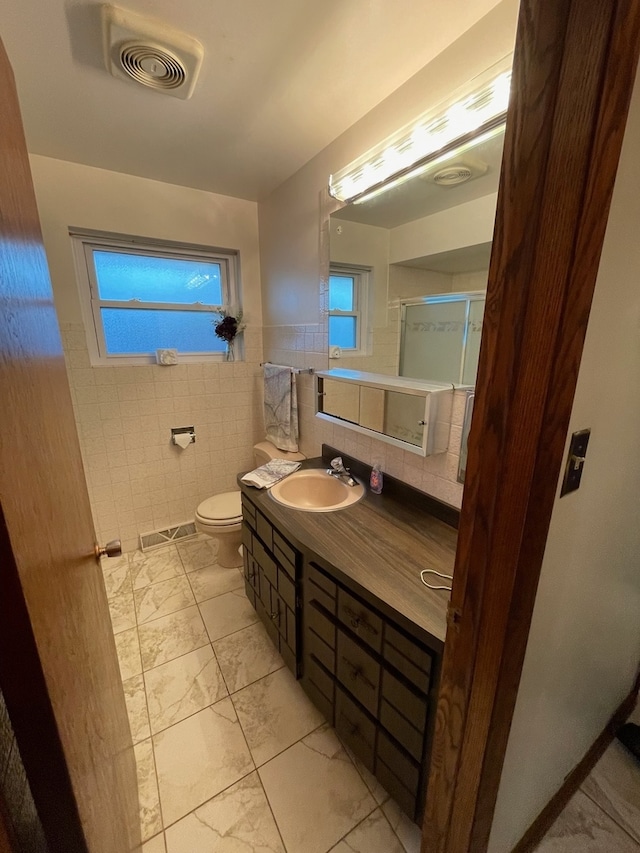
x=481, y=109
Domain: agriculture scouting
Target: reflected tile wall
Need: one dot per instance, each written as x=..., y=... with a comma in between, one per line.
x=138, y=481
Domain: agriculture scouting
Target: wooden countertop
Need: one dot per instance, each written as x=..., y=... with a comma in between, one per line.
x=381, y=544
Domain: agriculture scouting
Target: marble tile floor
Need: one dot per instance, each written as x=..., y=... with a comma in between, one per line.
x=604, y=815
x=232, y=757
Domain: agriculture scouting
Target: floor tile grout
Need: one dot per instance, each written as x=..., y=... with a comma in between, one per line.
x=610, y=816
x=230, y=695
x=268, y=801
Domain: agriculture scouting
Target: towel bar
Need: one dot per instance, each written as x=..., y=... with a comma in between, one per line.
x=292, y=369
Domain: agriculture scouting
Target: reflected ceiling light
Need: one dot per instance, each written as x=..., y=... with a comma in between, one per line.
x=476, y=111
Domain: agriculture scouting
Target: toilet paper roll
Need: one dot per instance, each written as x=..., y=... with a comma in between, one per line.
x=182, y=439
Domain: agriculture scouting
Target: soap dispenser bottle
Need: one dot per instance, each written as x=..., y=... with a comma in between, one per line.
x=375, y=480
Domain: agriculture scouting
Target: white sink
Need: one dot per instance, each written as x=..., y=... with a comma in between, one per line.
x=313, y=490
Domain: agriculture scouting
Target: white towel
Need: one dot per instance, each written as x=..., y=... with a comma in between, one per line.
x=268, y=475
x=281, y=407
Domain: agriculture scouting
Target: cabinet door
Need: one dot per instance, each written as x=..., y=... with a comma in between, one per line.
x=266, y=603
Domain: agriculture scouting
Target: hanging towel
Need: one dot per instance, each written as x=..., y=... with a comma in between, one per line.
x=281, y=407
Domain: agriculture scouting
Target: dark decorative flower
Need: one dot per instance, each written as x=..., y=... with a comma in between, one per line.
x=228, y=326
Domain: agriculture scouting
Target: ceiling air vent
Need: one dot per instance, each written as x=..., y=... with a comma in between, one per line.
x=457, y=172
x=150, y=53
x=452, y=175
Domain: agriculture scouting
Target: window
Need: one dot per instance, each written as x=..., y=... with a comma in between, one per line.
x=347, y=307
x=143, y=296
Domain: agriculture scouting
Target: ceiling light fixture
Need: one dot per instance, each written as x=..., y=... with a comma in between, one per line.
x=477, y=111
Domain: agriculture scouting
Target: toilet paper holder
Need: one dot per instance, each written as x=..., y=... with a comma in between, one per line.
x=189, y=430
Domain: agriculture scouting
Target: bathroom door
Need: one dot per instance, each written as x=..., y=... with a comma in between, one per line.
x=58, y=666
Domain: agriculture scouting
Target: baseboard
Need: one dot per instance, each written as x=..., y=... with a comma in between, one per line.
x=538, y=829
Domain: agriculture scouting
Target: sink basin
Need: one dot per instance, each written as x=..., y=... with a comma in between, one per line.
x=313, y=490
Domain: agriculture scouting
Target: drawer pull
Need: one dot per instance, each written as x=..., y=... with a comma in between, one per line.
x=275, y=616
x=357, y=673
x=357, y=621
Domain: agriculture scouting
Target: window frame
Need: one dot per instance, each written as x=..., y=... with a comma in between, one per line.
x=360, y=276
x=85, y=242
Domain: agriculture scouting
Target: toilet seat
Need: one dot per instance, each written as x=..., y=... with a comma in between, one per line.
x=220, y=510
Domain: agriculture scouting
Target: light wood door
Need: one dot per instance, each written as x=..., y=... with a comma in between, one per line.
x=58, y=665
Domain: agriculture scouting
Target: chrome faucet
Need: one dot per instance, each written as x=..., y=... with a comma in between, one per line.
x=338, y=470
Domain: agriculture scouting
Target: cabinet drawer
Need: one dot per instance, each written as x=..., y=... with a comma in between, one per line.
x=401, y=729
x=360, y=619
x=407, y=770
x=318, y=594
x=405, y=798
x=288, y=656
x=286, y=554
x=404, y=700
x=408, y=657
x=246, y=537
x=357, y=730
x=359, y=672
x=250, y=593
x=321, y=624
x=322, y=703
x=265, y=531
x=287, y=589
x=317, y=675
x=319, y=649
x=248, y=509
x=322, y=588
x=266, y=563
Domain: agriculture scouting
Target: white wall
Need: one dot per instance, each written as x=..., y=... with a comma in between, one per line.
x=584, y=646
x=137, y=480
x=294, y=249
x=467, y=224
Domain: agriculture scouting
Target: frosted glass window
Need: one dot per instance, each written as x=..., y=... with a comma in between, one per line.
x=347, y=303
x=140, y=331
x=342, y=332
x=341, y=293
x=145, y=297
x=121, y=276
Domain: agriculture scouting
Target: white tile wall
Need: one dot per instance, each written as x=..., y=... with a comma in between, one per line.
x=138, y=481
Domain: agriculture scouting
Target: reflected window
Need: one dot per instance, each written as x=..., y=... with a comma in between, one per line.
x=347, y=299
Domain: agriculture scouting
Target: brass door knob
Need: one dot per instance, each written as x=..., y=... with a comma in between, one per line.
x=111, y=549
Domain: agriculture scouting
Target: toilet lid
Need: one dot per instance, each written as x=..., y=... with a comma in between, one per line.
x=221, y=509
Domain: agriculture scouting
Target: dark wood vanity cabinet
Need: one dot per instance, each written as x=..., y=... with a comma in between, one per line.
x=372, y=680
x=271, y=581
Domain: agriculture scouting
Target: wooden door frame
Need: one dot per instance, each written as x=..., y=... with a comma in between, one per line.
x=574, y=70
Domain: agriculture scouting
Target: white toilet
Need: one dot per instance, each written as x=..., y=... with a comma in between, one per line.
x=221, y=515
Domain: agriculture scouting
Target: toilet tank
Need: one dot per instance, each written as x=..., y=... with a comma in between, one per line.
x=264, y=452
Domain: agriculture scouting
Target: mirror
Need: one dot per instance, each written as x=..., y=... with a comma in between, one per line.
x=409, y=268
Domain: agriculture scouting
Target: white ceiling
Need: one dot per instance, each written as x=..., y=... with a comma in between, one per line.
x=280, y=80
